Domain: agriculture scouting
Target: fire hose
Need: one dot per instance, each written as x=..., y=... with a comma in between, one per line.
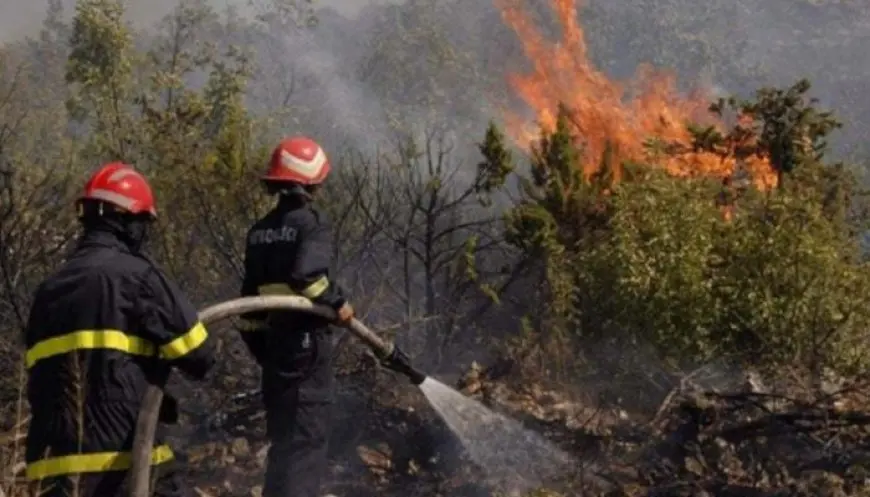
x=390, y=356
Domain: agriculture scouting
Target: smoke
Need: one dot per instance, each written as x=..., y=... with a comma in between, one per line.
x=20, y=18
x=324, y=97
x=825, y=42
x=772, y=42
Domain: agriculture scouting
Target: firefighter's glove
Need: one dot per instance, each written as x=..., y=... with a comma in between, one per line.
x=344, y=315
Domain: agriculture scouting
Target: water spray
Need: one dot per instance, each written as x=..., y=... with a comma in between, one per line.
x=389, y=354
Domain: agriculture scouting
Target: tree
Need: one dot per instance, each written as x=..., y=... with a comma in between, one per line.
x=650, y=259
x=100, y=70
x=38, y=174
x=783, y=125
x=437, y=222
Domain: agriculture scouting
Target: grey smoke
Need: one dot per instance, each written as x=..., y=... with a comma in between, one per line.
x=775, y=41
x=328, y=90
x=19, y=18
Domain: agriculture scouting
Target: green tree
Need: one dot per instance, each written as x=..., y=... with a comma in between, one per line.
x=196, y=145
x=652, y=260
x=39, y=175
x=784, y=125
x=100, y=71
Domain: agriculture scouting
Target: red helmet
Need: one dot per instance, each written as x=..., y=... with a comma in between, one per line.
x=121, y=185
x=298, y=160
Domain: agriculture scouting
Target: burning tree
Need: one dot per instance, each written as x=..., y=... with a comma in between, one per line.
x=621, y=215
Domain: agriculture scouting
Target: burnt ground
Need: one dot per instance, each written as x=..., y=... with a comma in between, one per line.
x=739, y=441
x=734, y=442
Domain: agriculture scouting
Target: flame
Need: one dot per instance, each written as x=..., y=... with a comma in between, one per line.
x=605, y=113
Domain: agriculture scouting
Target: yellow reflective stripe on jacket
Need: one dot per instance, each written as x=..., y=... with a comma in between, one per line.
x=92, y=463
x=115, y=340
x=317, y=288
x=313, y=290
x=275, y=289
x=89, y=339
x=184, y=344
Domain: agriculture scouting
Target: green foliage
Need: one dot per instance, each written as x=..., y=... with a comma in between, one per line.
x=786, y=126
x=99, y=69
x=651, y=259
x=497, y=163
x=197, y=146
x=650, y=278
x=100, y=45
x=774, y=285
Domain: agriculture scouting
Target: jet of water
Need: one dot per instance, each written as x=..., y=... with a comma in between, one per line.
x=509, y=453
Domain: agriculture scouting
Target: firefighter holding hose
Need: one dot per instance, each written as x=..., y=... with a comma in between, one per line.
x=289, y=251
x=102, y=327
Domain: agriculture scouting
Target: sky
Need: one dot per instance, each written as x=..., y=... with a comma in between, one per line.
x=19, y=18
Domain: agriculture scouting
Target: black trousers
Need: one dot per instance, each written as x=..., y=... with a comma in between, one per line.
x=167, y=483
x=298, y=392
x=298, y=428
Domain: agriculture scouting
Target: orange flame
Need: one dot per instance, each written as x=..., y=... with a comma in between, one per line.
x=602, y=111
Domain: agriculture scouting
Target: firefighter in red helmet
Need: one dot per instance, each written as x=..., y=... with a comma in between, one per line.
x=290, y=251
x=102, y=327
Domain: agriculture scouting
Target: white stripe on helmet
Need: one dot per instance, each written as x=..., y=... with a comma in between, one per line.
x=121, y=174
x=111, y=197
x=308, y=168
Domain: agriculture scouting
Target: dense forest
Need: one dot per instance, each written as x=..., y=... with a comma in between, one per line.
x=639, y=227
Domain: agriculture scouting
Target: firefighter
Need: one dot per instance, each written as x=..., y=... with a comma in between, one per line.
x=289, y=251
x=101, y=328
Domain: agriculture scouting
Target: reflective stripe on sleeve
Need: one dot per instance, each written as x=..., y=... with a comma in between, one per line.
x=185, y=344
x=275, y=289
x=89, y=339
x=317, y=288
x=312, y=291
x=92, y=463
x=115, y=340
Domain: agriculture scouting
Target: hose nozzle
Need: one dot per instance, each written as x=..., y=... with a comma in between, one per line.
x=399, y=362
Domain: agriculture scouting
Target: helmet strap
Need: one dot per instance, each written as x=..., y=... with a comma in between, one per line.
x=96, y=208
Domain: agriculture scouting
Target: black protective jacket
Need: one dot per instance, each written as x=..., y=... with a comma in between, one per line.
x=290, y=251
x=101, y=328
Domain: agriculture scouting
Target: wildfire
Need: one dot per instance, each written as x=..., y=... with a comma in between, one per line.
x=604, y=112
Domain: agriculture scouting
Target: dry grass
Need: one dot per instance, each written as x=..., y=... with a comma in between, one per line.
x=12, y=466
